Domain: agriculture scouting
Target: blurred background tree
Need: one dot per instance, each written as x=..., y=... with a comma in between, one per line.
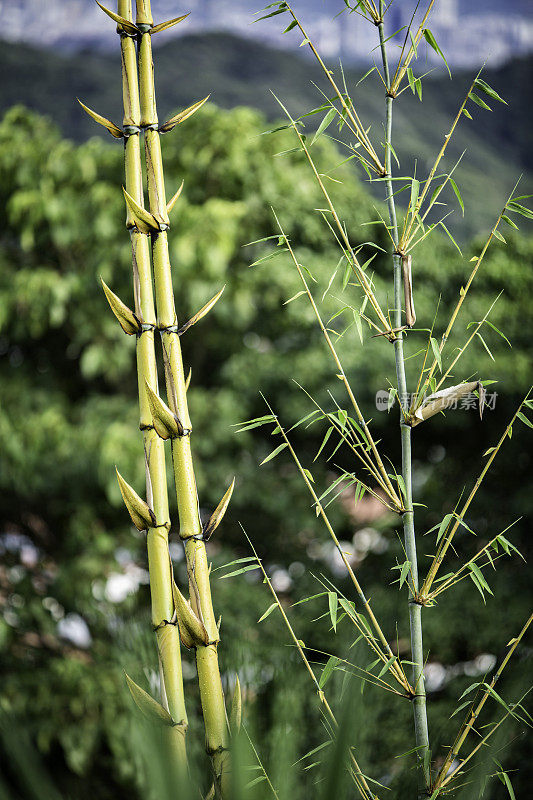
x=73, y=580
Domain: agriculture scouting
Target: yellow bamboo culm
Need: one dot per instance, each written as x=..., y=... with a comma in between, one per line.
x=163, y=614
x=191, y=532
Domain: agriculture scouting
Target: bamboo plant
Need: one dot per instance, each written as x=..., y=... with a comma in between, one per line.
x=173, y=616
x=430, y=395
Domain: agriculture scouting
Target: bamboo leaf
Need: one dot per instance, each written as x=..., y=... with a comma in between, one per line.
x=182, y=116
x=430, y=39
x=163, y=26
x=524, y=419
x=113, y=129
x=268, y=612
x=218, y=513
x=457, y=194
x=333, y=604
x=128, y=26
x=127, y=319
x=141, y=514
x=151, y=709
x=326, y=122
x=404, y=572
x=331, y=663
x=235, y=714
x=240, y=571
x=478, y=101
x=484, y=87
x=436, y=352
x=144, y=221
x=274, y=453
x=166, y=423
x=200, y=314
x=324, y=441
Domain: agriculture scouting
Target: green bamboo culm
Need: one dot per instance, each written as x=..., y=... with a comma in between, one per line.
x=415, y=609
x=164, y=619
x=192, y=532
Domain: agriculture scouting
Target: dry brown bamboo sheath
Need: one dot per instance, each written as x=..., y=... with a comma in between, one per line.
x=191, y=532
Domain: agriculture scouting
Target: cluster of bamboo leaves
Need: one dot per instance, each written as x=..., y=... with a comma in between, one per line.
x=434, y=390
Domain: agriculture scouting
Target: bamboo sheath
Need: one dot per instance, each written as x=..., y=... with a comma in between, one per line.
x=163, y=613
x=191, y=531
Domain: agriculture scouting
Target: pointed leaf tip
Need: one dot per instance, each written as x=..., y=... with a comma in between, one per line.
x=113, y=129
x=128, y=26
x=144, y=221
x=163, y=26
x=151, y=709
x=200, y=314
x=235, y=715
x=218, y=514
x=166, y=424
x=127, y=319
x=172, y=202
x=140, y=512
x=182, y=116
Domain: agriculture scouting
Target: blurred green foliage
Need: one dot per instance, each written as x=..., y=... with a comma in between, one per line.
x=236, y=71
x=69, y=415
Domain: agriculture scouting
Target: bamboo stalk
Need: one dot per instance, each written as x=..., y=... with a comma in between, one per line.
x=191, y=532
x=163, y=616
x=415, y=609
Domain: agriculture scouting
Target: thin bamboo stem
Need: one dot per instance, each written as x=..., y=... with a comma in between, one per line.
x=163, y=617
x=191, y=532
x=415, y=609
x=357, y=774
x=448, y=537
x=444, y=776
x=386, y=654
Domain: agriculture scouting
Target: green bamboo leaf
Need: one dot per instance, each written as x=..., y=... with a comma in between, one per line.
x=430, y=39
x=524, y=419
x=274, y=453
x=478, y=101
x=326, y=122
x=404, y=572
x=324, y=442
x=436, y=352
x=499, y=236
x=443, y=525
x=151, y=709
x=331, y=663
x=267, y=613
x=240, y=571
x=309, y=475
x=235, y=714
x=457, y=194
x=256, y=423
x=333, y=604
x=488, y=90
x=386, y=666
x=509, y=222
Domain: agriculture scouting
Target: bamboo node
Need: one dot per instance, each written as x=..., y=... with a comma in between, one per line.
x=130, y=130
x=164, y=622
x=168, y=328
